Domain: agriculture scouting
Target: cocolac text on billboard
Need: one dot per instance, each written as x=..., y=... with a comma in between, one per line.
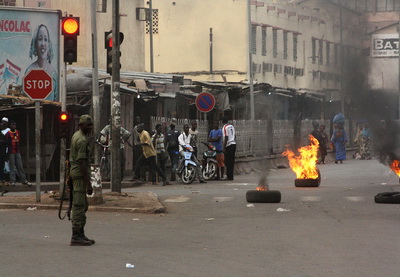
x=385, y=45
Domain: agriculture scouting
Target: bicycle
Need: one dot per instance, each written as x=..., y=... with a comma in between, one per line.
x=105, y=161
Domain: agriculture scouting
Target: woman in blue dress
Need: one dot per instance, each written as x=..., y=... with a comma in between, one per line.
x=339, y=139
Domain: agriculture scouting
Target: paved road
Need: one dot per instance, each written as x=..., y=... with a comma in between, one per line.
x=333, y=230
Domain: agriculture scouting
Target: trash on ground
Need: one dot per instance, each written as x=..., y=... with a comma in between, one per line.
x=135, y=219
x=128, y=265
x=282, y=210
x=31, y=209
x=209, y=219
x=250, y=205
x=195, y=191
x=383, y=184
x=235, y=189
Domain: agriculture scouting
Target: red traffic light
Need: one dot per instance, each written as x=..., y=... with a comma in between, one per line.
x=63, y=117
x=70, y=25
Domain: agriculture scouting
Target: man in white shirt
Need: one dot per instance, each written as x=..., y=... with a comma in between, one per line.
x=229, y=147
x=184, y=140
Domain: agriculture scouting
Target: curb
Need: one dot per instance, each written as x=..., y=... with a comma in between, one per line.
x=155, y=210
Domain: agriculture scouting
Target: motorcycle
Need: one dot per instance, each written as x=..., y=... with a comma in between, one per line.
x=187, y=167
x=210, y=164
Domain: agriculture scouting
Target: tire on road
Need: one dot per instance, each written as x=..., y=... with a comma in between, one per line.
x=388, y=198
x=309, y=182
x=263, y=196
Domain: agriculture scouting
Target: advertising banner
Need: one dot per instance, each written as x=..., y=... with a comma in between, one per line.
x=29, y=40
x=385, y=45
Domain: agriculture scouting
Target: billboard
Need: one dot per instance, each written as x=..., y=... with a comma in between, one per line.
x=29, y=39
x=385, y=45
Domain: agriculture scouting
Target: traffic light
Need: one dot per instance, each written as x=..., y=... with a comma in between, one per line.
x=64, y=124
x=70, y=31
x=108, y=43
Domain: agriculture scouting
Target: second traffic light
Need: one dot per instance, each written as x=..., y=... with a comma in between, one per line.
x=64, y=124
x=70, y=31
x=108, y=44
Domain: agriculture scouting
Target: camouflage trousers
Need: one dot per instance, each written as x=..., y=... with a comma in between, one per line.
x=79, y=205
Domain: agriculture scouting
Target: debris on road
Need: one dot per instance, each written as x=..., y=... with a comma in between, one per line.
x=282, y=210
x=209, y=219
x=31, y=209
x=128, y=265
x=250, y=205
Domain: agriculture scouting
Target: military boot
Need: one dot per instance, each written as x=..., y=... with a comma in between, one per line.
x=86, y=238
x=78, y=240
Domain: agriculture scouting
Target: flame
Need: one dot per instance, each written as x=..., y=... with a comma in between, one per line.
x=395, y=167
x=304, y=165
x=262, y=188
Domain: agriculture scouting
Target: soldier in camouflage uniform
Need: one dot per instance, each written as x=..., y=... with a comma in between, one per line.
x=80, y=175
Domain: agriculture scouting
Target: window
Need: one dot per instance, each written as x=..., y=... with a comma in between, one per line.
x=321, y=52
x=253, y=39
x=275, y=42
x=285, y=45
x=267, y=67
x=295, y=47
x=336, y=54
x=277, y=68
x=314, y=50
x=328, y=53
x=264, y=41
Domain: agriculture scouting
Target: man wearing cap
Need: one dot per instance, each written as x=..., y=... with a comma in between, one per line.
x=79, y=158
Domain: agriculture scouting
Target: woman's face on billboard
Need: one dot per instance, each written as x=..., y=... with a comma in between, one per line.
x=42, y=43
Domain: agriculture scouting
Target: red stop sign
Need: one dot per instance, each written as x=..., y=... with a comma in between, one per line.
x=37, y=84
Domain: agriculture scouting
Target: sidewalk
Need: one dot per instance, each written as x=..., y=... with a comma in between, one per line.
x=135, y=202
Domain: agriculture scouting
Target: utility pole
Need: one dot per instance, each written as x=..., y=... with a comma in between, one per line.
x=398, y=50
x=342, y=88
x=250, y=65
x=95, y=81
x=115, y=103
x=211, y=51
x=151, y=35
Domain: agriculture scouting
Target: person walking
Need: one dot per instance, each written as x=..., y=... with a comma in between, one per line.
x=79, y=172
x=149, y=154
x=339, y=139
x=365, y=148
x=14, y=155
x=229, y=147
x=323, y=147
x=317, y=135
x=162, y=156
x=184, y=140
x=172, y=146
x=215, y=137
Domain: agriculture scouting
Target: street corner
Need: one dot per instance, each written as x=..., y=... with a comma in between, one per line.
x=134, y=202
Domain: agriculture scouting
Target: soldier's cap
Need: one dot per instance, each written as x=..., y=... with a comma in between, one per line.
x=4, y=119
x=85, y=119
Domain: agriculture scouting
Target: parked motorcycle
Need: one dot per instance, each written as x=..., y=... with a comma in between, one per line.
x=210, y=164
x=187, y=167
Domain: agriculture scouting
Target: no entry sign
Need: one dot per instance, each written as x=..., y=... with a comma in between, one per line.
x=37, y=84
x=205, y=102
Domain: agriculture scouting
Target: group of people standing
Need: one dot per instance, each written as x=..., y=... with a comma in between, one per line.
x=337, y=142
x=10, y=155
x=158, y=148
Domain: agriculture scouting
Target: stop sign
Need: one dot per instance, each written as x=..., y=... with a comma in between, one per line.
x=37, y=84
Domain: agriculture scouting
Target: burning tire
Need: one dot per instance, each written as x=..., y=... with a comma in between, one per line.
x=388, y=198
x=308, y=182
x=263, y=196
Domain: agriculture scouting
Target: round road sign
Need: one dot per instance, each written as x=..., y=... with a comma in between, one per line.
x=205, y=102
x=37, y=84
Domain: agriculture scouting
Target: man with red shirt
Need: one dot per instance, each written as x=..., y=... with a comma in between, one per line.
x=14, y=155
